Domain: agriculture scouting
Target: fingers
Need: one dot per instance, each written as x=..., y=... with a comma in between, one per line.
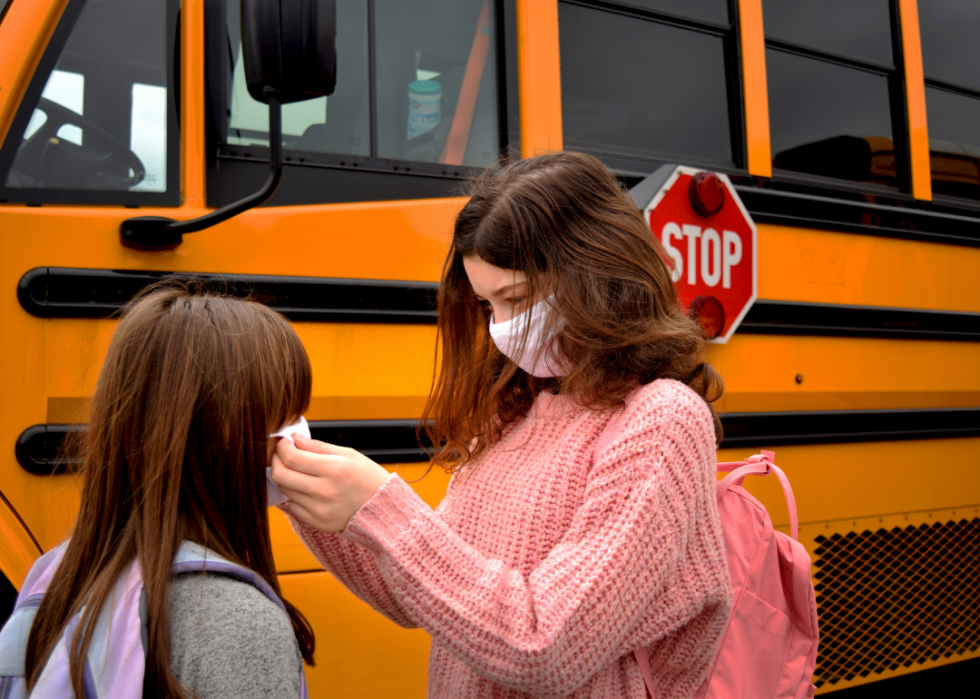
x=302, y=513
x=308, y=462
x=317, y=447
x=292, y=480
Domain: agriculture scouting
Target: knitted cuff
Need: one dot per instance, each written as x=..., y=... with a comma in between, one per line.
x=386, y=516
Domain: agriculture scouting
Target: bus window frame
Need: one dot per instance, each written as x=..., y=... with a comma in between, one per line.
x=3, y=8
x=897, y=110
x=631, y=164
x=950, y=200
x=326, y=178
x=49, y=59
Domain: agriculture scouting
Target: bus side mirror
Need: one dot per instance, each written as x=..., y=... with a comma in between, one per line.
x=289, y=55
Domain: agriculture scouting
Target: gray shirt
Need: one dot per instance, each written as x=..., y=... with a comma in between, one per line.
x=228, y=640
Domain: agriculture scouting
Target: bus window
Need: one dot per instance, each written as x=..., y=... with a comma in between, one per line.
x=710, y=11
x=434, y=95
x=952, y=70
x=637, y=89
x=857, y=30
x=98, y=124
x=304, y=124
x=833, y=90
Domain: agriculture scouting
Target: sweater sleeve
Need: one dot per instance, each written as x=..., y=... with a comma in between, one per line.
x=353, y=565
x=642, y=558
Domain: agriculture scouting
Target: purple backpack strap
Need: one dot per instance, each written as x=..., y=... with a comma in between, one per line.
x=111, y=669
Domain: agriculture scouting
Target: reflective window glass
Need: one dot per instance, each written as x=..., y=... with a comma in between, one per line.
x=677, y=109
x=105, y=119
x=339, y=124
x=954, y=143
x=858, y=29
x=436, y=81
x=831, y=120
x=434, y=97
x=712, y=11
x=950, y=31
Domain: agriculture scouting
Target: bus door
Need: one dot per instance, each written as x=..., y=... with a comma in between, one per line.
x=115, y=109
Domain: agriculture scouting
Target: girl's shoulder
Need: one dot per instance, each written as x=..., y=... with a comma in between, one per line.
x=228, y=639
x=668, y=402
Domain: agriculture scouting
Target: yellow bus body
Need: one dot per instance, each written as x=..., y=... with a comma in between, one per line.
x=374, y=371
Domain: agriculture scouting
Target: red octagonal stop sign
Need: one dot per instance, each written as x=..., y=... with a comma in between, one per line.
x=709, y=240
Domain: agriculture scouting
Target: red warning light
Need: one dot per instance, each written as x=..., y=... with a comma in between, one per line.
x=709, y=312
x=707, y=193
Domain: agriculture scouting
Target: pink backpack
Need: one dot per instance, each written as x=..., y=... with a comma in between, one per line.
x=769, y=648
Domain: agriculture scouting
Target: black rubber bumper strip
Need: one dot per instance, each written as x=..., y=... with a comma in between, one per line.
x=39, y=448
x=837, y=320
x=842, y=426
x=59, y=292
x=394, y=441
x=908, y=221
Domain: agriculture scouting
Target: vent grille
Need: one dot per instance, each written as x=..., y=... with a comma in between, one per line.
x=893, y=598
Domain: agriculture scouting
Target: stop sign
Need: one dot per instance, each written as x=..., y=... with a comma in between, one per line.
x=709, y=240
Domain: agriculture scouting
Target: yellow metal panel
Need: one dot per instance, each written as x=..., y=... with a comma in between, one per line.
x=539, y=76
x=384, y=240
x=192, y=104
x=871, y=479
x=915, y=100
x=755, y=88
x=24, y=33
x=845, y=373
x=17, y=549
x=391, y=364
x=360, y=654
x=803, y=264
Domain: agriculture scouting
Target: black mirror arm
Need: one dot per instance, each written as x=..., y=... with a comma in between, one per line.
x=159, y=233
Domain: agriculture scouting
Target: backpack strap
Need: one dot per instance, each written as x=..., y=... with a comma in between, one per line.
x=194, y=558
x=609, y=433
x=760, y=465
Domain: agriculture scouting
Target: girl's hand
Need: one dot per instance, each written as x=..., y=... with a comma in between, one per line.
x=327, y=484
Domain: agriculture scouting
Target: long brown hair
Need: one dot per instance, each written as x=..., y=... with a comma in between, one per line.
x=175, y=449
x=617, y=322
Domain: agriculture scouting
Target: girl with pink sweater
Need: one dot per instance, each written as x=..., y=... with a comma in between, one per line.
x=558, y=550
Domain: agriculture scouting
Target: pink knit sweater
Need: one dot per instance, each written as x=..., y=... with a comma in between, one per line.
x=539, y=573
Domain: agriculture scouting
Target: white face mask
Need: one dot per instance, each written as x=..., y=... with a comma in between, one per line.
x=301, y=428
x=540, y=356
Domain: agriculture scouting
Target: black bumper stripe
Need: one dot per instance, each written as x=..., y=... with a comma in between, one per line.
x=53, y=292
x=796, y=318
x=56, y=292
x=395, y=441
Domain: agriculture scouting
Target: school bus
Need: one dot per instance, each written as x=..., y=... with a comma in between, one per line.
x=851, y=131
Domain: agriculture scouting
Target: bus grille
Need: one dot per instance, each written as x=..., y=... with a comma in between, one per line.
x=893, y=598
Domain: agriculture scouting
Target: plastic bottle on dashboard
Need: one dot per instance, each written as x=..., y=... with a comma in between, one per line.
x=424, y=107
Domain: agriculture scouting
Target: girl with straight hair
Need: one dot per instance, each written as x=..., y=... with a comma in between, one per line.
x=174, y=463
x=563, y=550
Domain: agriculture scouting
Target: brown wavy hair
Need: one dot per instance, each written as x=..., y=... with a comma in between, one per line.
x=176, y=448
x=618, y=322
